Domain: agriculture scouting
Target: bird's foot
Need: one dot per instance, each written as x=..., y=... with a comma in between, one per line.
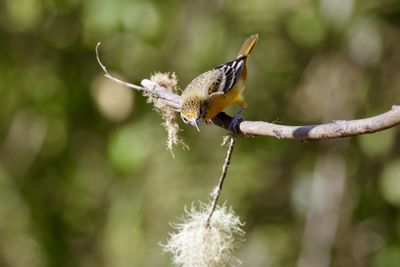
x=236, y=120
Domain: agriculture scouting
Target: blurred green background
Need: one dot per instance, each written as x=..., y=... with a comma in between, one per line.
x=85, y=176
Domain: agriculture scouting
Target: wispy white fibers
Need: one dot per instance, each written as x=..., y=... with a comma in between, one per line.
x=195, y=245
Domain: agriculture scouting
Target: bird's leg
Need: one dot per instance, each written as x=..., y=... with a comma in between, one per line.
x=236, y=120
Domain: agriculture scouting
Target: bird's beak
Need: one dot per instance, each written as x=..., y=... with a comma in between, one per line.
x=197, y=123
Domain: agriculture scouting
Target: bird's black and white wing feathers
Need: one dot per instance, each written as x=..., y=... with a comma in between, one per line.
x=231, y=72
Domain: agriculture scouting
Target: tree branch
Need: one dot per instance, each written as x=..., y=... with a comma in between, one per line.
x=336, y=129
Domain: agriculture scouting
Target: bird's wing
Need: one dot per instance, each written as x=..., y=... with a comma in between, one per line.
x=230, y=73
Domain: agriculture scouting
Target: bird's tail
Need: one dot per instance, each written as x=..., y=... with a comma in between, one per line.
x=248, y=46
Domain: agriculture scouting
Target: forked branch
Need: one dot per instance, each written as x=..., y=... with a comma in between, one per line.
x=336, y=129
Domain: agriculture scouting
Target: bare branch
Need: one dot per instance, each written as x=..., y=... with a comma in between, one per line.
x=108, y=75
x=217, y=191
x=336, y=129
x=170, y=99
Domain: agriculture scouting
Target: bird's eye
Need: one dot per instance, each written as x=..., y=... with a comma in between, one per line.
x=184, y=120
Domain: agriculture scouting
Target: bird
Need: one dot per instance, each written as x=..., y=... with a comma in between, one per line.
x=212, y=91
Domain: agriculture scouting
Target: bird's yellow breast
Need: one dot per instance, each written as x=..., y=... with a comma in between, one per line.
x=218, y=102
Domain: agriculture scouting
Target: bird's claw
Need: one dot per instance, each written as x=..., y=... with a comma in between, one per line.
x=236, y=120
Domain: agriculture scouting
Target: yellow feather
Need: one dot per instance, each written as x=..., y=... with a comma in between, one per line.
x=218, y=102
x=248, y=46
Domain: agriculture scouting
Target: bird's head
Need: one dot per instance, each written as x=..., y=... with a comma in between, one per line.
x=193, y=111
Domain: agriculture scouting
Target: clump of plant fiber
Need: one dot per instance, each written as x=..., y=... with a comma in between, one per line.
x=195, y=245
x=170, y=82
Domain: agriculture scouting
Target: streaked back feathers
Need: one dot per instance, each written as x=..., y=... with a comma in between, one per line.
x=231, y=71
x=201, y=84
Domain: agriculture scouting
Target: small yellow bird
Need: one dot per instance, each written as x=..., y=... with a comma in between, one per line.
x=212, y=91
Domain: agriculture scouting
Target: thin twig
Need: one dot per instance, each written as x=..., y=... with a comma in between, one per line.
x=336, y=129
x=172, y=100
x=108, y=75
x=217, y=190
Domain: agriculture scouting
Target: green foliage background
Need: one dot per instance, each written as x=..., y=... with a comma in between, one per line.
x=85, y=177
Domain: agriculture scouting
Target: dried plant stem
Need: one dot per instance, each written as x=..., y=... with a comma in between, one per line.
x=217, y=191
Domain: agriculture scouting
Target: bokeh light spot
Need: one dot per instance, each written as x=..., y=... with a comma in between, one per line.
x=114, y=101
x=365, y=42
x=131, y=145
x=306, y=28
x=378, y=143
x=390, y=183
x=22, y=15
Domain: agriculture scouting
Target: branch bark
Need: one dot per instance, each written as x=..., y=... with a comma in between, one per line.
x=335, y=129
